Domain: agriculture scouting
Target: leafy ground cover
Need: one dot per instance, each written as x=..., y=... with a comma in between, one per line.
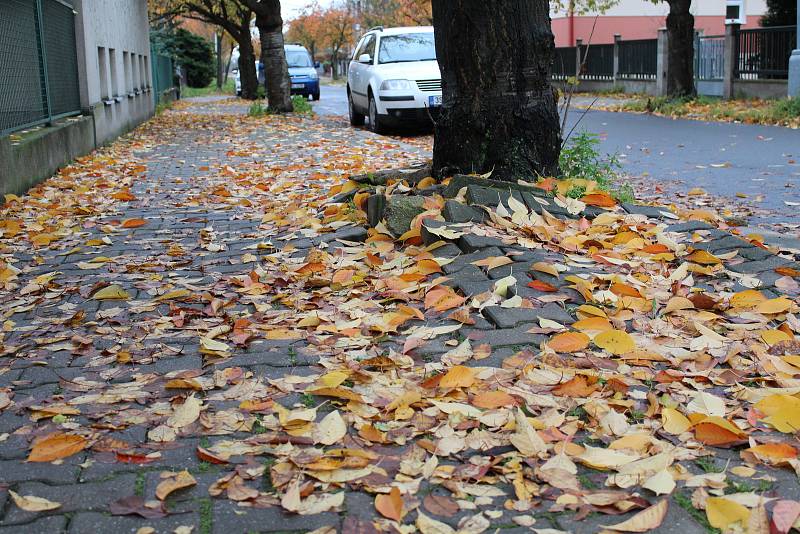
x=201, y=334
x=782, y=112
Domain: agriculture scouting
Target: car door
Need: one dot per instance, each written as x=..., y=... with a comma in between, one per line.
x=355, y=71
x=366, y=71
x=360, y=78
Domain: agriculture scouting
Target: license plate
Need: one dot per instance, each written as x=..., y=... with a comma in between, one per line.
x=298, y=86
x=434, y=101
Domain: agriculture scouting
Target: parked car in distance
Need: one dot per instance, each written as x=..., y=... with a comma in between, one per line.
x=394, y=78
x=302, y=73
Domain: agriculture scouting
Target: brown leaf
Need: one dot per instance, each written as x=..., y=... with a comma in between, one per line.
x=440, y=505
x=174, y=482
x=646, y=520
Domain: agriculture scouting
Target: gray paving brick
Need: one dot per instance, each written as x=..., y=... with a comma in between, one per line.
x=53, y=524
x=472, y=243
x=511, y=317
x=228, y=517
x=97, y=522
x=753, y=267
x=456, y=212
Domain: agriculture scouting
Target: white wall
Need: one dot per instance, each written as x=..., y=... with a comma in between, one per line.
x=114, y=64
x=640, y=8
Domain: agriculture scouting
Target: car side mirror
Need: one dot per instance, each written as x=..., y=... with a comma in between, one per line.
x=365, y=58
x=316, y=64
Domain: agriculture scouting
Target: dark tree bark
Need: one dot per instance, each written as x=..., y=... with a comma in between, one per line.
x=680, y=49
x=247, y=69
x=276, y=71
x=499, y=112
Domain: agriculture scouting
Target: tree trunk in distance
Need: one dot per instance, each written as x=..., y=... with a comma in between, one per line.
x=276, y=71
x=247, y=69
x=499, y=110
x=680, y=49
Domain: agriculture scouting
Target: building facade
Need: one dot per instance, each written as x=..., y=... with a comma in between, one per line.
x=114, y=64
x=641, y=19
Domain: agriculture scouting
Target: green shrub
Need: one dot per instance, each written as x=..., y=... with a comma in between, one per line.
x=580, y=159
x=788, y=108
x=257, y=109
x=301, y=105
x=196, y=55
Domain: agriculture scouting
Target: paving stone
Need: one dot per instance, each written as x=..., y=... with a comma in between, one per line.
x=508, y=270
x=755, y=253
x=722, y=244
x=511, y=317
x=472, y=243
x=53, y=524
x=653, y=212
x=429, y=237
x=13, y=471
x=446, y=251
x=456, y=212
x=459, y=181
x=466, y=259
x=230, y=518
x=521, y=255
x=90, y=496
x=468, y=274
x=512, y=337
x=485, y=196
x=753, y=267
x=350, y=233
x=97, y=522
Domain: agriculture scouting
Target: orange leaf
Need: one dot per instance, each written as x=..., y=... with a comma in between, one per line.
x=569, y=342
x=703, y=258
x=493, y=399
x=542, y=286
x=773, y=452
x=125, y=195
x=133, y=223
x=390, y=505
x=625, y=290
x=601, y=200
x=442, y=298
x=458, y=377
x=577, y=387
x=56, y=446
x=428, y=267
x=716, y=431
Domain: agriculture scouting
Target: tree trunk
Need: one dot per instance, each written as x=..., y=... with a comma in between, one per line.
x=335, y=65
x=680, y=49
x=247, y=69
x=499, y=112
x=276, y=72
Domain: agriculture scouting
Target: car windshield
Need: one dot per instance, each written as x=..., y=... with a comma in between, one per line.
x=298, y=59
x=407, y=47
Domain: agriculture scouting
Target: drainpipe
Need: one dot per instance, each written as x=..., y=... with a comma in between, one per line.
x=571, y=15
x=794, y=62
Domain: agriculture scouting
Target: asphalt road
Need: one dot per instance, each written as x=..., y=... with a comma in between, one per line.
x=760, y=162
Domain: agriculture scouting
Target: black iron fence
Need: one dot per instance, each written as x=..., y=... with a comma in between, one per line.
x=163, y=75
x=597, y=62
x=38, y=59
x=638, y=59
x=763, y=53
x=564, y=63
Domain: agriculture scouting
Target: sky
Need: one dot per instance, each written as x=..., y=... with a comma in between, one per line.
x=291, y=8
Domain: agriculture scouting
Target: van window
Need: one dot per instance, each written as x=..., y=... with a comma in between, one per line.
x=298, y=58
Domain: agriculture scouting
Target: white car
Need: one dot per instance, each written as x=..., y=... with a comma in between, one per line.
x=394, y=78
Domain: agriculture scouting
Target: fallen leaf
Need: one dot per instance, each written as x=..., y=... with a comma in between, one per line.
x=390, y=505
x=174, y=482
x=644, y=521
x=31, y=503
x=722, y=512
x=56, y=446
x=615, y=341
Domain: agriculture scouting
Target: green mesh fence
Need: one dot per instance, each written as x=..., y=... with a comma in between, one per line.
x=163, y=74
x=38, y=61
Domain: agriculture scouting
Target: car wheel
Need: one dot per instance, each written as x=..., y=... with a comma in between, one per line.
x=375, y=124
x=356, y=118
x=315, y=96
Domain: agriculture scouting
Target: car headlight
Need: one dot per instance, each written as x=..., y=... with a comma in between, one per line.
x=313, y=75
x=397, y=85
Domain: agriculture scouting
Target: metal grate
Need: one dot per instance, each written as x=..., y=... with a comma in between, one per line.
x=564, y=62
x=163, y=74
x=599, y=62
x=763, y=53
x=429, y=85
x=638, y=59
x=38, y=59
x=709, y=57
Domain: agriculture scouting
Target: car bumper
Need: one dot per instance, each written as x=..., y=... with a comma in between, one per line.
x=409, y=117
x=390, y=101
x=304, y=87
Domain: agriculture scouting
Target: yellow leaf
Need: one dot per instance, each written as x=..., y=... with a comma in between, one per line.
x=174, y=294
x=674, y=421
x=678, y=303
x=703, y=258
x=493, y=262
x=544, y=267
x=212, y=346
x=525, y=438
x=112, y=292
x=783, y=412
x=31, y=503
x=723, y=512
x=186, y=413
x=645, y=521
x=174, y=482
x=458, y=377
x=615, y=341
x=747, y=299
x=771, y=337
x=331, y=429
x=332, y=379
x=772, y=306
